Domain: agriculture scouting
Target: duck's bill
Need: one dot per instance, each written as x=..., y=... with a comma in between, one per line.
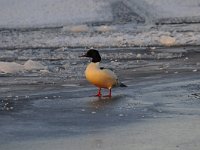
x=83, y=55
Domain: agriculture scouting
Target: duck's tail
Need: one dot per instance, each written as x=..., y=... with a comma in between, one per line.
x=122, y=85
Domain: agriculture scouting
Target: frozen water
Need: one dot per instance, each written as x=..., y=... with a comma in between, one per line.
x=152, y=45
x=155, y=111
x=50, y=110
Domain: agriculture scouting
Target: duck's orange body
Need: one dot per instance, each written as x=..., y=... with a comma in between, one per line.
x=102, y=78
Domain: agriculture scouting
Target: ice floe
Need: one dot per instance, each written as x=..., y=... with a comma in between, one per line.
x=13, y=67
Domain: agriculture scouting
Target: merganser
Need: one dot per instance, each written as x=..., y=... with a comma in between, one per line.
x=100, y=77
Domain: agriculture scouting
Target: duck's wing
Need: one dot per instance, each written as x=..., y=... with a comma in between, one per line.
x=110, y=71
x=106, y=68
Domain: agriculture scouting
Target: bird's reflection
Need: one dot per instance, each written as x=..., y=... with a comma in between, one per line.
x=101, y=102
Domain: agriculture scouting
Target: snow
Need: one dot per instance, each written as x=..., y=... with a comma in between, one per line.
x=13, y=67
x=84, y=36
x=93, y=23
x=167, y=40
x=76, y=28
x=34, y=65
x=10, y=67
x=28, y=13
x=41, y=13
x=174, y=8
x=105, y=28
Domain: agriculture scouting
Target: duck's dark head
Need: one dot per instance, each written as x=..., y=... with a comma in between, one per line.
x=94, y=54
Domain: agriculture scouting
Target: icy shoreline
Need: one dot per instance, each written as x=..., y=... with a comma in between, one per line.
x=101, y=36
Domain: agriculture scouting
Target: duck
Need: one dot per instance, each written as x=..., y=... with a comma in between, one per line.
x=99, y=76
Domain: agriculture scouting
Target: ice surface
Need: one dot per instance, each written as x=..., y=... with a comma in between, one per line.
x=166, y=134
x=66, y=63
x=156, y=111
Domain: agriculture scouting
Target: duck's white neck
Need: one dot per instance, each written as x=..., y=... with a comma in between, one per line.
x=93, y=65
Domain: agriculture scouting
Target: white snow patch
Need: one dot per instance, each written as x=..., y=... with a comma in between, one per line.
x=13, y=67
x=76, y=28
x=167, y=40
x=105, y=28
x=33, y=65
x=117, y=38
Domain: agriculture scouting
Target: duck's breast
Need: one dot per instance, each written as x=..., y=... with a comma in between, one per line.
x=103, y=78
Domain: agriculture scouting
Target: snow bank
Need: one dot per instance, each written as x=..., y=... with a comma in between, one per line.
x=167, y=40
x=13, y=67
x=93, y=23
x=76, y=28
x=10, y=67
x=82, y=36
x=33, y=65
x=105, y=28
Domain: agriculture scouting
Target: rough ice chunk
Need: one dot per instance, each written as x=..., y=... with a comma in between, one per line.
x=34, y=65
x=167, y=40
x=11, y=67
x=105, y=28
x=76, y=28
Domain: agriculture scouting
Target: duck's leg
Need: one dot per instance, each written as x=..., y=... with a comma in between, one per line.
x=110, y=94
x=99, y=93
